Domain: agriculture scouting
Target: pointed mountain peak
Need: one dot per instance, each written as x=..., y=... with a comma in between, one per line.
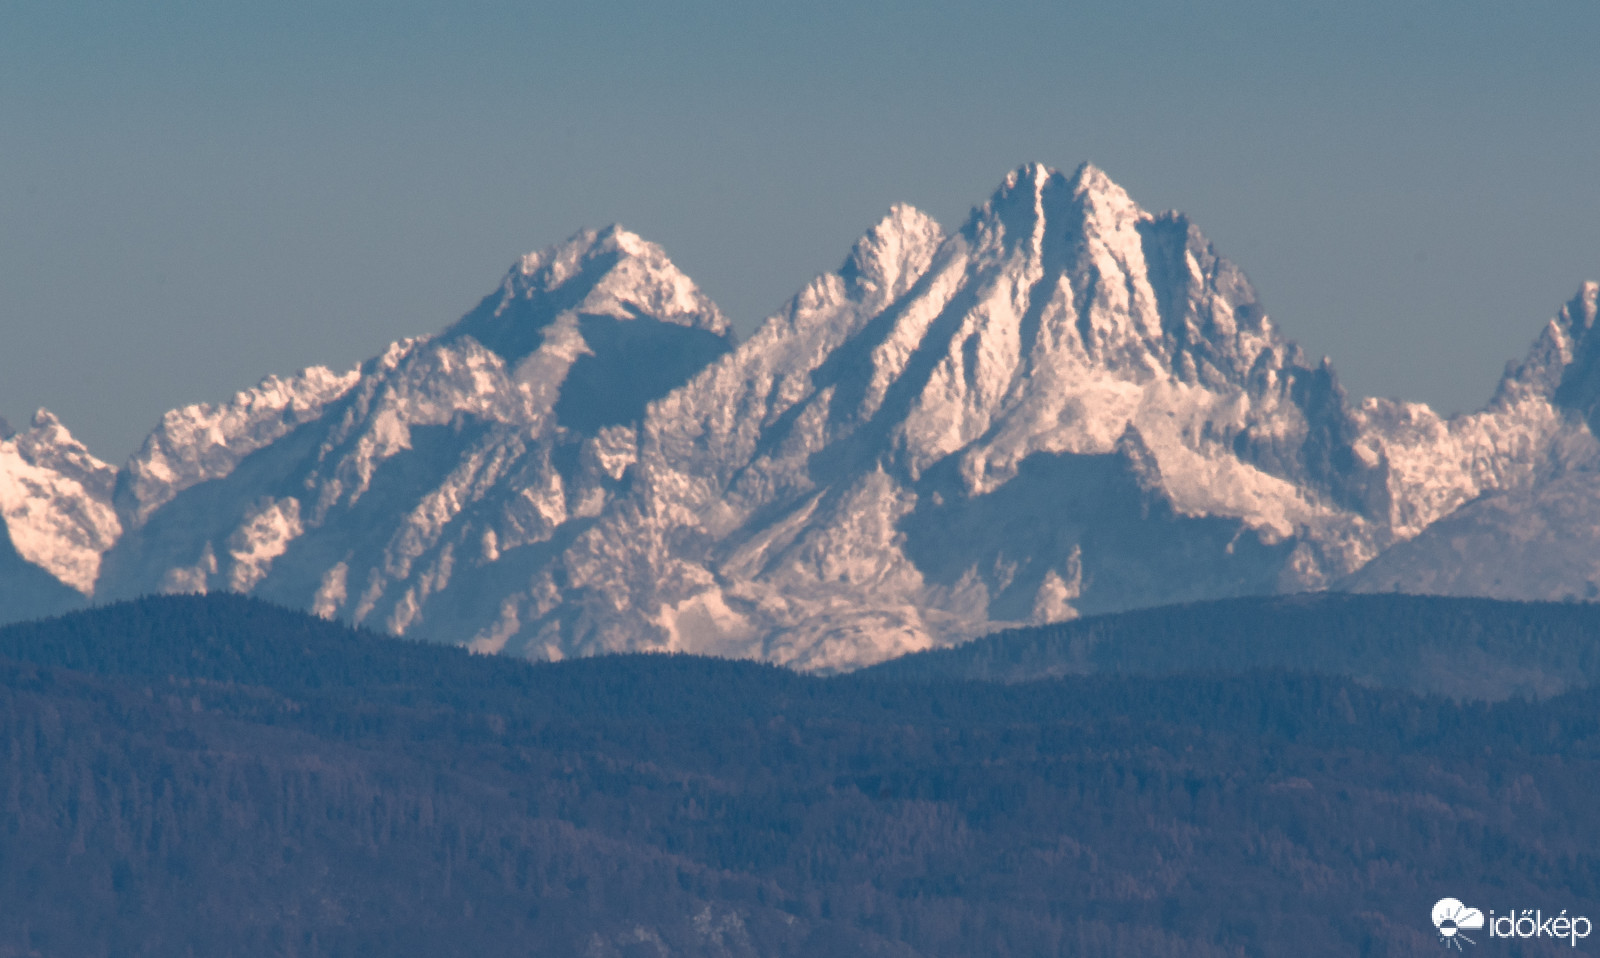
x=1562, y=344
x=620, y=274
x=1024, y=186
x=1563, y=364
x=615, y=272
x=1088, y=178
x=1087, y=182
x=56, y=502
x=556, y=264
x=1016, y=210
x=1567, y=356
x=609, y=272
x=1030, y=175
x=1100, y=196
x=48, y=439
x=1033, y=194
x=895, y=251
x=49, y=445
x=1578, y=315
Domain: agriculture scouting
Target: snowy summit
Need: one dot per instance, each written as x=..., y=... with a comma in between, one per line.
x=1068, y=405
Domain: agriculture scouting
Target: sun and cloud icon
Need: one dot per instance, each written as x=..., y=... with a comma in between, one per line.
x=1453, y=919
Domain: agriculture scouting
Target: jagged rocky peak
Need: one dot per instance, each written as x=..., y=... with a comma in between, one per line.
x=206, y=441
x=1034, y=202
x=55, y=501
x=1034, y=192
x=1563, y=352
x=48, y=444
x=891, y=255
x=1145, y=292
x=1502, y=501
x=1579, y=386
x=632, y=277
x=1070, y=405
x=603, y=274
x=1036, y=417
x=1058, y=302
x=377, y=495
x=592, y=330
x=1538, y=425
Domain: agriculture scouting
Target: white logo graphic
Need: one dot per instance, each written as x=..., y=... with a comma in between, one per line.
x=1452, y=919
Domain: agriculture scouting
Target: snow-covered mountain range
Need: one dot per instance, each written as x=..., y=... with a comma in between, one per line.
x=1069, y=405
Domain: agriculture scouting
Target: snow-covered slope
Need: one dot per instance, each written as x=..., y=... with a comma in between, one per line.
x=1504, y=502
x=1536, y=541
x=56, y=513
x=366, y=496
x=205, y=441
x=1068, y=405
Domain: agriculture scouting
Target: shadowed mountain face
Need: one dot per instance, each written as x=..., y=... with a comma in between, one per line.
x=1113, y=541
x=1067, y=406
x=1544, y=540
x=214, y=775
x=29, y=592
x=441, y=455
x=1463, y=648
x=630, y=364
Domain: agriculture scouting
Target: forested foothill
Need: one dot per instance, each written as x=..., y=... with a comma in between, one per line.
x=1465, y=648
x=208, y=775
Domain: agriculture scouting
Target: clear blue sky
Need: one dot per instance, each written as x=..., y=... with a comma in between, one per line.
x=196, y=194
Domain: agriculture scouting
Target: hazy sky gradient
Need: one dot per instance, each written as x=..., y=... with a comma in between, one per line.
x=193, y=195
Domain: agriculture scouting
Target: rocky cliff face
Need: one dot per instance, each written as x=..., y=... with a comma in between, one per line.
x=201, y=442
x=1504, y=502
x=55, y=503
x=365, y=496
x=1068, y=405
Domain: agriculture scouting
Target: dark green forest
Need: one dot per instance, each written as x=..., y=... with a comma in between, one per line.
x=217, y=776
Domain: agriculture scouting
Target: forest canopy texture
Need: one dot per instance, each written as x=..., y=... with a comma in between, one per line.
x=213, y=775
